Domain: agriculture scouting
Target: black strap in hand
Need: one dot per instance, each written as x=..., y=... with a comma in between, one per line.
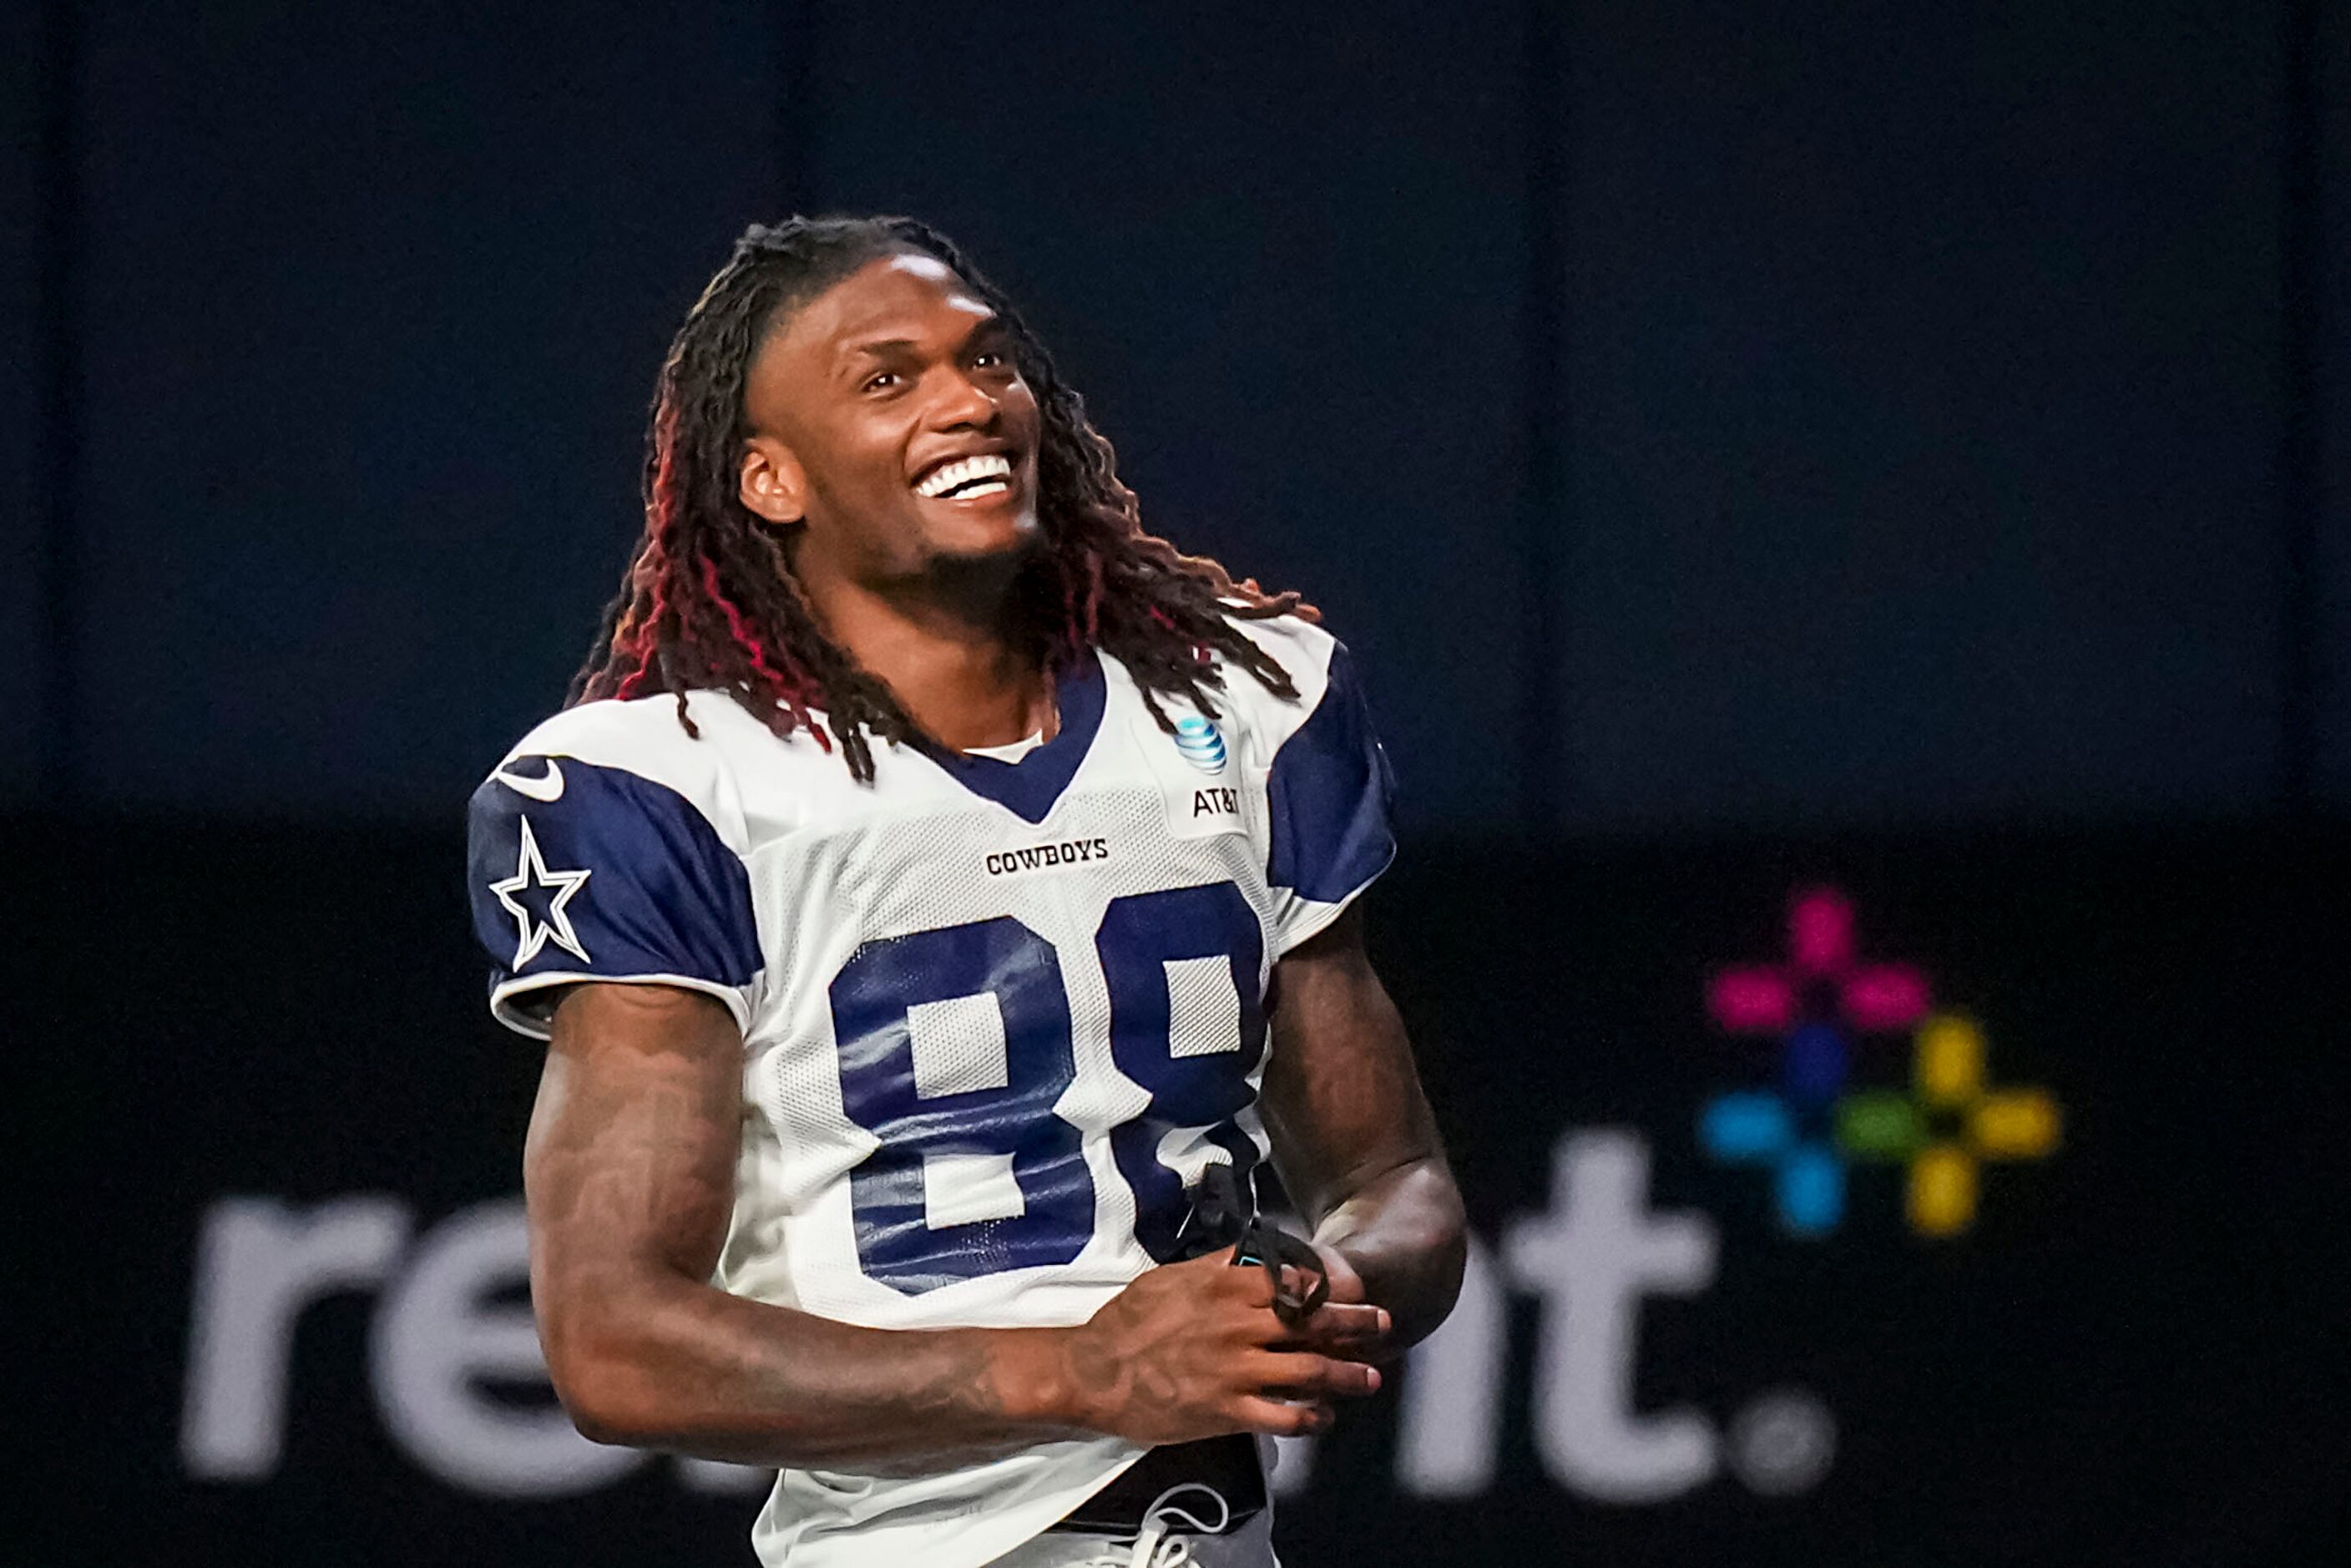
x=1224, y=1214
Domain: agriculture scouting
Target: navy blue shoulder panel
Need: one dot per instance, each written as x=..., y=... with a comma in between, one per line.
x=579, y=869
x=1328, y=797
x=1029, y=788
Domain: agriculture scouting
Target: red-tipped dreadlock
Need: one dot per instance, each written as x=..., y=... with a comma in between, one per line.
x=710, y=601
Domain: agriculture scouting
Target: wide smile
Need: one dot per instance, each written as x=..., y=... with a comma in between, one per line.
x=971, y=479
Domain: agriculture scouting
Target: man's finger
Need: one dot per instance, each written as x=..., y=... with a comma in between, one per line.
x=1305, y=1375
x=1346, y=1285
x=1296, y=1282
x=1282, y=1418
x=1246, y=1285
x=1340, y=1326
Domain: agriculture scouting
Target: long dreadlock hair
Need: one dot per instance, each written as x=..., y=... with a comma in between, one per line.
x=710, y=601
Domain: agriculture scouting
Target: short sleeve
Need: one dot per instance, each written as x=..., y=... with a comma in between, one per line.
x=1327, y=797
x=580, y=871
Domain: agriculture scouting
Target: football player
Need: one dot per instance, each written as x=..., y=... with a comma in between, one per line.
x=936, y=893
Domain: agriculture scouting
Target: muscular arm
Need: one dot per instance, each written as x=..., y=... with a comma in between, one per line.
x=629, y=1175
x=1353, y=1136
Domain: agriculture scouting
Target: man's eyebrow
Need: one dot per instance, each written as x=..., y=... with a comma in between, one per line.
x=985, y=326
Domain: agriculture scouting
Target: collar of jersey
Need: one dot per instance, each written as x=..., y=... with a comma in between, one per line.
x=1029, y=788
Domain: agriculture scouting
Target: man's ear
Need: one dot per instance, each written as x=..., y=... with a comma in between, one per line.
x=772, y=483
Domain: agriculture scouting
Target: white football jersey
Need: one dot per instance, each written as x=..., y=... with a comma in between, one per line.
x=996, y=1015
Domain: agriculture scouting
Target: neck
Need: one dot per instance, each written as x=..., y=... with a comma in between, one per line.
x=948, y=646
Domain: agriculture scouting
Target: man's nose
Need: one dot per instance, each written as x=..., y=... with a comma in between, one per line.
x=963, y=401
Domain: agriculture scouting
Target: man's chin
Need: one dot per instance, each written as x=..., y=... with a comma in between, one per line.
x=982, y=540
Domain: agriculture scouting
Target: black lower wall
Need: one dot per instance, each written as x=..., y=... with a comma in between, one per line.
x=245, y=1046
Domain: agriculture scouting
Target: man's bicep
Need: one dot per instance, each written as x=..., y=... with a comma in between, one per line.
x=631, y=1159
x=1341, y=1098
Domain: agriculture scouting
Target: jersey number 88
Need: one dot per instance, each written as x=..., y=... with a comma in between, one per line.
x=989, y=1119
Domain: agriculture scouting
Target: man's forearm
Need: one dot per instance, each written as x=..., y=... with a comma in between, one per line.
x=1403, y=1232
x=681, y=1367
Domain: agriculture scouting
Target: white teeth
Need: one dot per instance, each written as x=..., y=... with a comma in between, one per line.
x=939, y=481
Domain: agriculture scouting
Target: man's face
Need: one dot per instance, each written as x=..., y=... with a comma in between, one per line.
x=888, y=418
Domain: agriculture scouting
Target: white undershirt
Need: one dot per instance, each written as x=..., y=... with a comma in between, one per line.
x=1011, y=751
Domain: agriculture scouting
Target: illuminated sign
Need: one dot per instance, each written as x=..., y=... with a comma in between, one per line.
x=1824, y=1006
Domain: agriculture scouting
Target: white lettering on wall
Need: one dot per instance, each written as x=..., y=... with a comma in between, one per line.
x=437, y=1334
x=1593, y=1256
x=445, y=1328
x=1451, y=1414
x=259, y=1264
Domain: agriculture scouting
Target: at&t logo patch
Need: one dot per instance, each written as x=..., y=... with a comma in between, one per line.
x=1202, y=745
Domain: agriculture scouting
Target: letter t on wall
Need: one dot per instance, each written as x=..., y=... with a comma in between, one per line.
x=1600, y=1250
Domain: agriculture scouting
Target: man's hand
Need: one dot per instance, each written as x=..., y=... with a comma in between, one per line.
x=1195, y=1350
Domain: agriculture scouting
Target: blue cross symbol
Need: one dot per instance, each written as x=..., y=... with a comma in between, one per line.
x=1786, y=1129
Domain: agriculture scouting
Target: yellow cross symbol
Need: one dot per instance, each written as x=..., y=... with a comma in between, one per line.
x=2000, y=1125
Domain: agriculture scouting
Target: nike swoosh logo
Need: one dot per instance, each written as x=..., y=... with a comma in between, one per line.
x=547, y=787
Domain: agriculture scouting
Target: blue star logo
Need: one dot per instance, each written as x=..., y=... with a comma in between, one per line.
x=531, y=879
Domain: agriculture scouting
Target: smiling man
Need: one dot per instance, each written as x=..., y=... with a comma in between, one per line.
x=937, y=900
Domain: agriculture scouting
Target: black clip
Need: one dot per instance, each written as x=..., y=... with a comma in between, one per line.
x=1222, y=1216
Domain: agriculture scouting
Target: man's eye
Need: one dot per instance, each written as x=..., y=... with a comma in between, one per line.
x=881, y=380
x=992, y=359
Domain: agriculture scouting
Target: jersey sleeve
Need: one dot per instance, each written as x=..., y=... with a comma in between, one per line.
x=585, y=871
x=1327, y=797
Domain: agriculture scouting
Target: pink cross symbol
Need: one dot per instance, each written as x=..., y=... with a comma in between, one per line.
x=1767, y=998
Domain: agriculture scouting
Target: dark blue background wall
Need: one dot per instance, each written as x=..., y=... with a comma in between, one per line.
x=1695, y=419
x=1902, y=450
